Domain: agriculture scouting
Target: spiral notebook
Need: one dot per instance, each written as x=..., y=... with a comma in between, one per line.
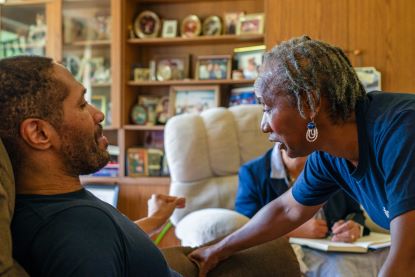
x=362, y=245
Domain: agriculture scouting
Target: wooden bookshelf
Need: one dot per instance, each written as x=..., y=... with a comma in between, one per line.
x=222, y=39
x=190, y=82
x=144, y=127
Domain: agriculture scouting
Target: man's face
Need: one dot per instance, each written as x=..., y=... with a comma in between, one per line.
x=82, y=145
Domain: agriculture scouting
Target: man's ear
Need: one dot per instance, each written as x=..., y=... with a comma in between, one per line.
x=37, y=133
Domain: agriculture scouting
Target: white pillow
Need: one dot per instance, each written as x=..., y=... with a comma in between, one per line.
x=205, y=225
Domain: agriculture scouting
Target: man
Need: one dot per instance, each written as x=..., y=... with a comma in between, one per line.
x=52, y=136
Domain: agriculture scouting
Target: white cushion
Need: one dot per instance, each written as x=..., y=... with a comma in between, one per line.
x=205, y=225
x=204, y=152
x=217, y=192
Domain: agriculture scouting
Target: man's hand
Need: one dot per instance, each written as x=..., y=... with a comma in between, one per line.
x=162, y=206
x=313, y=229
x=345, y=231
x=206, y=259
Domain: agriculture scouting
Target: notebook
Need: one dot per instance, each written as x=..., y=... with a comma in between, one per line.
x=107, y=193
x=362, y=245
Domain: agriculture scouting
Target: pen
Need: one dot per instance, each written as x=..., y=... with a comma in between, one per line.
x=350, y=216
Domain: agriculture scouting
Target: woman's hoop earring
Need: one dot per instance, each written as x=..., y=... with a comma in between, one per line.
x=312, y=131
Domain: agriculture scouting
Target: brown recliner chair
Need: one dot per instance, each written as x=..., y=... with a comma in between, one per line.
x=8, y=267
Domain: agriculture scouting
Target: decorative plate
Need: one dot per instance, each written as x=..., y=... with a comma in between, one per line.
x=191, y=26
x=147, y=25
x=212, y=26
x=139, y=114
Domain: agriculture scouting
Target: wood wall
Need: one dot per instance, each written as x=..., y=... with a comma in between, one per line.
x=381, y=29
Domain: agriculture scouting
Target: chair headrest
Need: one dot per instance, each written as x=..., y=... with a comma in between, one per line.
x=214, y=143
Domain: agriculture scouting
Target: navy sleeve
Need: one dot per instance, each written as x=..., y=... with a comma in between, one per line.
x=75, y=245
x=247, y=202
x=316, y=183
x=396, y=153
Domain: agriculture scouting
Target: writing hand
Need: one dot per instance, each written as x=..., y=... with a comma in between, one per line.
x=345, y=231
x=313, y=228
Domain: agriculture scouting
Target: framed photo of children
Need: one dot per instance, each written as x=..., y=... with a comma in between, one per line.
x=248, y=60
x=213, y=67
x=193, y=99
x=250, y=24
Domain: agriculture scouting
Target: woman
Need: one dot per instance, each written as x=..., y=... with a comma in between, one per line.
x=315, y=105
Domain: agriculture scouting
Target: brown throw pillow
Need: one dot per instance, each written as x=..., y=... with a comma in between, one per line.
x=274, y=258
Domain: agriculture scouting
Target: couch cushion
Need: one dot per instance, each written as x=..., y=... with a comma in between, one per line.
x=217, y=192
x=274, y=258
x=206, y=225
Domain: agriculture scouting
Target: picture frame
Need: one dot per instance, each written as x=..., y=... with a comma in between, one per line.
x=216, y=67
x=193, y=99
x=230, y=22
x=147, y=24
x=250, y=24
x=248, y=60
x=74, y=65
x=212, y=26
x=99, y=70
x=137, y=162
x=150, y=104
x=242, y=96
x=169, y=29
x=171, y=68
x=100, y=102
x=190, y=26
x=370, y=78
x=162, y=111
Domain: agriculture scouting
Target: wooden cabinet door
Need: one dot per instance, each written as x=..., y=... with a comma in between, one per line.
x=383, y=30
x=319, y=19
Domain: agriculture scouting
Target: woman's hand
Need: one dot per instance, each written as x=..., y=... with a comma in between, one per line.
x=206, y=259
x=345, y=231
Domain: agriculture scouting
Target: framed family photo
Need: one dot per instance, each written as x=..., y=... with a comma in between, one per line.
x=213, y=67
x=248, y=59
x=193, y=99
x=250, y=24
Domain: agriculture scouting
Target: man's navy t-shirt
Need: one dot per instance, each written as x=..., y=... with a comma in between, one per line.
x=76, y=234
x=384, y=180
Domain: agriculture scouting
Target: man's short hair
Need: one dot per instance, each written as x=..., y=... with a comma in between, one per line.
x=28, y=89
